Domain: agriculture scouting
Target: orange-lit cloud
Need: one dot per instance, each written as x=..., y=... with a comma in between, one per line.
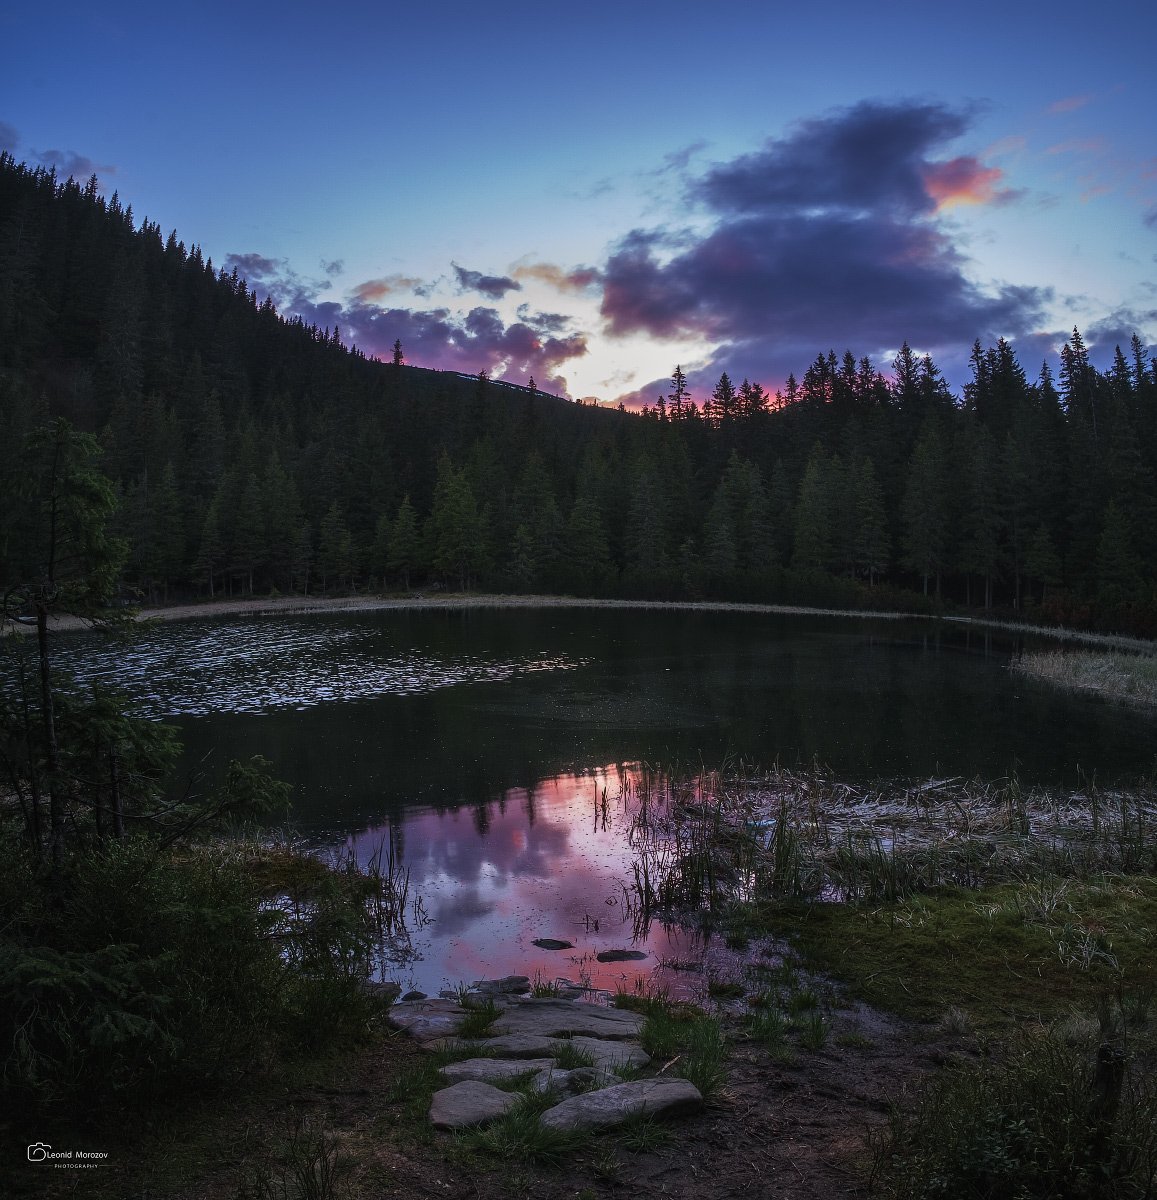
x=577, y=280
x=375, y=289
x=1069, y=104
x=964, y=180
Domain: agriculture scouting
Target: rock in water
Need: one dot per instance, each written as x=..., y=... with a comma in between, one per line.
x=552, y=944
x=607, y=956
x=468, y=1103
x=614, y=1105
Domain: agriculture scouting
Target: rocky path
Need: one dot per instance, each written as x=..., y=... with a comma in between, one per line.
x=529, y=1040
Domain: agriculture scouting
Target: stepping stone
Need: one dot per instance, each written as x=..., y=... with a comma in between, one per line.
x=612, y=1054
x=491, y=1070
x=612, y=1106
x=564, y=1018
x=468, y=1103
x=512, y=985
x=574, y=1082
x=608, y=956
x=409, y=997
x=552, y=944
x=427, y=1019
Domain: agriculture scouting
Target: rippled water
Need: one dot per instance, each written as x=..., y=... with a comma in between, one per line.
x=197, y=668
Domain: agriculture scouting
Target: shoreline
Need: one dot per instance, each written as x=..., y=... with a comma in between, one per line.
x=300, y=605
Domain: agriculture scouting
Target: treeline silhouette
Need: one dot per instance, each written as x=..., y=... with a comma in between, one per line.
x=254, y=454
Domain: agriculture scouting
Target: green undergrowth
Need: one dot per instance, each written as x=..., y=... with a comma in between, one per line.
x=682, y=1039
x=1016, y=951
x=1055, y=1113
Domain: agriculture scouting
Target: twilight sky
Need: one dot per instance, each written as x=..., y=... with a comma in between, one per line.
x=593, y=194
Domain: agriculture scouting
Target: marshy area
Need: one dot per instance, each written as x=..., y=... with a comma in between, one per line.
x=926, y=988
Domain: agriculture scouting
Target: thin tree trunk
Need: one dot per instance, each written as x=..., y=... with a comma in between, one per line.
x=47, y=717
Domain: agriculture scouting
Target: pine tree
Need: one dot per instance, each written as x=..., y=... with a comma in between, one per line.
x=404, y=542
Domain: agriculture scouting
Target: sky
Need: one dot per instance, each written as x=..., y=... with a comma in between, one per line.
x=590, y=195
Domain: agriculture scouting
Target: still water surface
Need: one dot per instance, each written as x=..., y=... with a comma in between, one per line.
x=479, y=742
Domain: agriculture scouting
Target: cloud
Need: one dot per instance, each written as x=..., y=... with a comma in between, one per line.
x=493, y=287
x=965, y=181
x=9, y=138
x=1116, y=329
x=578, y=279
x=377, y=289
x=333, y=268
x=826, y=237
x=1068, y=104
x=72, y=165
x=535, y=344
x=478, y=340
x=1149, y=218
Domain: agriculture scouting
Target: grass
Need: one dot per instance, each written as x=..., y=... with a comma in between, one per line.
x=479, y=1017
x=519, y=1136
x=1113, y=674
x=569, y=1057
x=1046, y=1119
x=988, y=951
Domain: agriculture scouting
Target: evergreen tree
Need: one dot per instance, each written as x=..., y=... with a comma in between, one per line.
x=404, y=542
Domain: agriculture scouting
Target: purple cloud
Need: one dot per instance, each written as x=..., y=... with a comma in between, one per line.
x=493, y=287
x=72, y=165
x=825, y=237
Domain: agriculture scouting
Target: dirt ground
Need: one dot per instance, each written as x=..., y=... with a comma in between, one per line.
x=792, y=1129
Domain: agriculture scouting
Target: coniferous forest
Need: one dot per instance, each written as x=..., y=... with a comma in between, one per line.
x=253, y=454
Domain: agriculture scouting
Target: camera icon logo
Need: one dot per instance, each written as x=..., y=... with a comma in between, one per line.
x=38, y=1151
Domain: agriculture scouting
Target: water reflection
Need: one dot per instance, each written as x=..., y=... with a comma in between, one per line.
x=552, y=861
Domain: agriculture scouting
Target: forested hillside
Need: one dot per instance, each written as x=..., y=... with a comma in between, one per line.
x=253, y=453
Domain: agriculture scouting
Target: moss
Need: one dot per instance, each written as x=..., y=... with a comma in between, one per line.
x=986, y=951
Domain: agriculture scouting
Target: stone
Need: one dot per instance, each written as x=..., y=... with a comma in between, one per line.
x=565, y=1018
x=573, y=1082
x=387, y=992
x=612, y=1054
x=552, y=944
x=609, y=956
x=468, y=1103
x=613, y=1106
x=409, y=997
x=490, y=1070
x=426, y=1020
x=512, y=985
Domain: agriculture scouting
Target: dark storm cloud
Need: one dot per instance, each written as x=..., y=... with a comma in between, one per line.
x=825, y=237
x=493, y=287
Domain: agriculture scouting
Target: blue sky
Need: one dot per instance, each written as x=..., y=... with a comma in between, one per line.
x=591, y=195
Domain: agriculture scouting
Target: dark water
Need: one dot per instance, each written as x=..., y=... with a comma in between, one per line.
x=480, y=741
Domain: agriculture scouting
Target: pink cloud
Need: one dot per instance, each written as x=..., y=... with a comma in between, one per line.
x=576, y=280
x=964, y=180
x=1069, y=104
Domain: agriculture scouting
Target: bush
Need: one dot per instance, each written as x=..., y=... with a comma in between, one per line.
x=146, y=968
x=1046, y=1121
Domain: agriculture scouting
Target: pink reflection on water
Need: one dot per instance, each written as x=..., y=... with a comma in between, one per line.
x=547, y=863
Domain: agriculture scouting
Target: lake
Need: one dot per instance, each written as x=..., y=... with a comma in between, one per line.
x=479, y=742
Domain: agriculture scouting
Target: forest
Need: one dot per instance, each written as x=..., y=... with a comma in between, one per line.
x=252, y=454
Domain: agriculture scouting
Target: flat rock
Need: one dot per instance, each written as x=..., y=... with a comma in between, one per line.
x=490, y=1070
x=607, y=956
x=386, y=991
x=426, y=1020
x=565, y=1018
x=613, y=1105
x=468, y=1103
x=512, y=985
x=607, y=1053
x=574, y=1082
x=552, y=944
